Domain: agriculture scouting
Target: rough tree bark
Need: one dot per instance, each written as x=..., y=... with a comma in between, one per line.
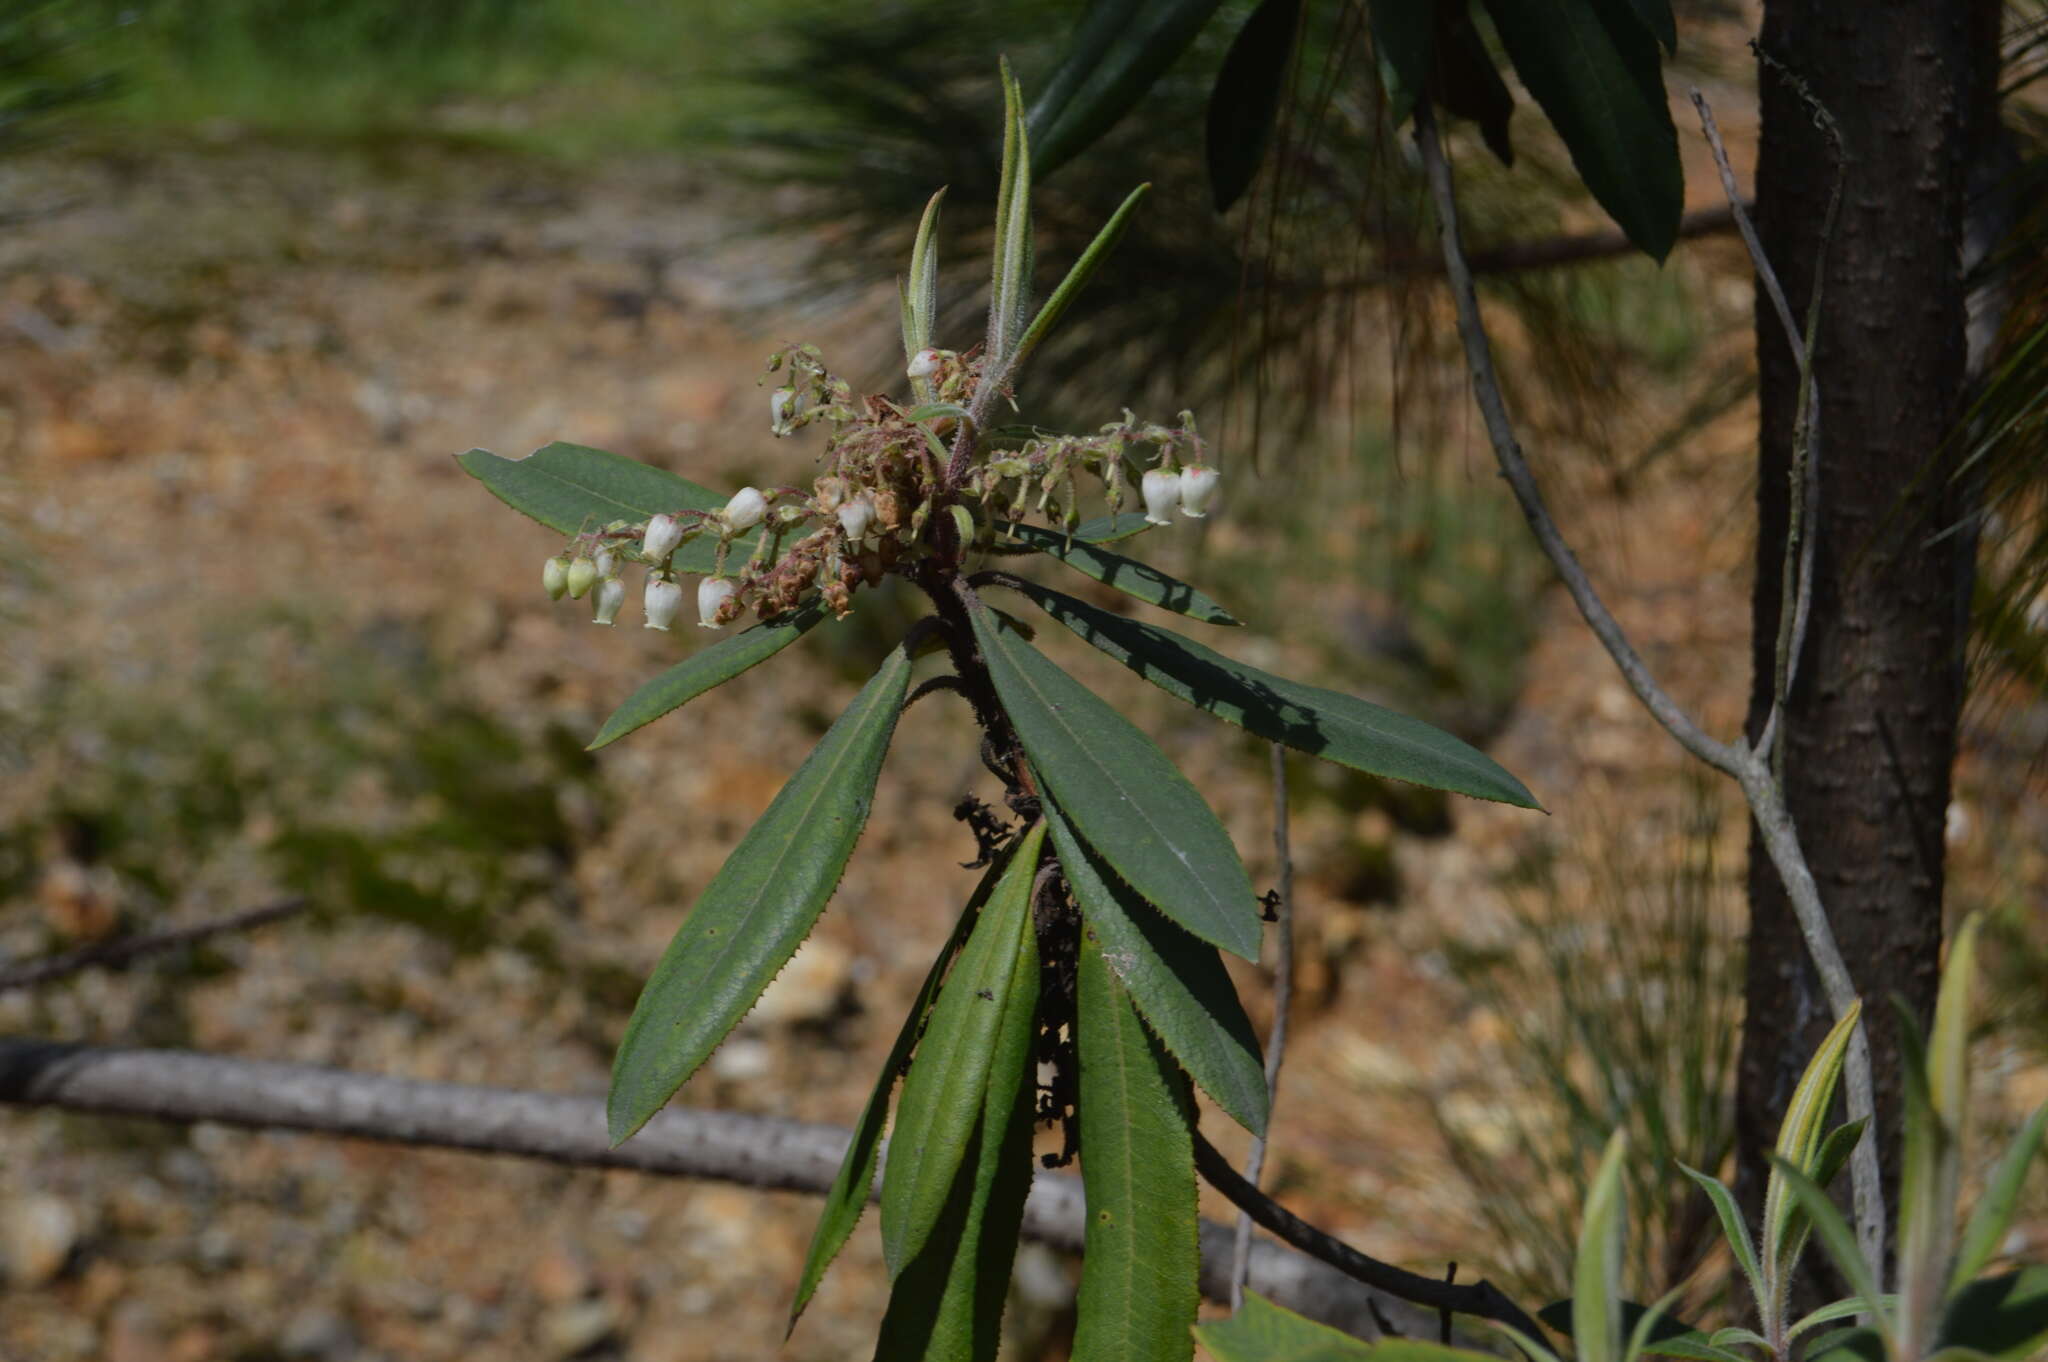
x=1871, y=721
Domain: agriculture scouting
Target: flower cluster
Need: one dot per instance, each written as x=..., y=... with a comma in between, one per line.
x=870, y=511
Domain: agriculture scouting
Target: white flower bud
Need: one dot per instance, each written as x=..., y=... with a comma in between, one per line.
x=554, y=577
x=712, y=593
x=1197, y=485
x=604, y=560
x=781, y=409
x=745, y=509
x=1162, y=494
x=582, y=576
x=664, y=599
x=924, y=363
x=855, y=516
x=662, y=537
x=611, y=594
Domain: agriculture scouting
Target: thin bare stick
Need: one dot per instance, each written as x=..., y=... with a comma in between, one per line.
x=1751, y=771
x=1796, y=603
x=752, y=1151
x=1481, y=1300
x=1283, y=999
x=150, y=943
x=1515, y=468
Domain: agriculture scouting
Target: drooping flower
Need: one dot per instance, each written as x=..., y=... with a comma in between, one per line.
x=745, y=510
x=1197, y=485
x=924, y=363
x=604, y=560
x=1161, y=490
x=611, y=594
x=855, y=516
x=554, y=577
x=662, y=536
x=664, y=598
x=781, y=410
x=712, y=593
x=582, y=576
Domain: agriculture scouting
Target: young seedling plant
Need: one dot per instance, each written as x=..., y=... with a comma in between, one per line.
x=1089, y=951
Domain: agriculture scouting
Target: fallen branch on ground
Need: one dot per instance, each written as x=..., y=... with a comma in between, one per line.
x=753, y=1151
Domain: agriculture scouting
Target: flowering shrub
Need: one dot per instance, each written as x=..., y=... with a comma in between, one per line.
x=1089, y=951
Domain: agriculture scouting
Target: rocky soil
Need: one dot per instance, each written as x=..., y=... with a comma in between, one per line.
x=243, y=576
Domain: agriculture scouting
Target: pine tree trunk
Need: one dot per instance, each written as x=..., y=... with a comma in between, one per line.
x=1871, y=722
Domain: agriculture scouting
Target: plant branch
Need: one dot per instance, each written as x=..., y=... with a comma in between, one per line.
x=753, y=1151
x=1751, y=770
x=1283, y=998
x=1481, y=1300
x=1515, y=468
x=128, y=948
x=1796, y=600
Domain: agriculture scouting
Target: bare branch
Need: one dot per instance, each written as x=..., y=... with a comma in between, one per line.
x=1796, y=603
x=753, y=1151
x=1481, y=1300
x=1751, y=770
x=1515, y=468
x=152, y=943
x=1283, y=999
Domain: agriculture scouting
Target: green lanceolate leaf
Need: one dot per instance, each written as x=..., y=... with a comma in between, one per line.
x=1733, y=1230
x=1657, y=17
x=1835, y=1236
x=1849, y=1345
x=1799, y=1138
x=706, y=670
x=1263, y=1332
x=1404, y=40
x=571, y=489
x=1467, y=83
x=1178, y=982
x=1103, y=530
x=1127, y=575
x=2003, y=1316
x=946, y=1303
x=1122, y=48
x=1323, y=723
x=1122, y=794
x=920, y=297
x=1077, y=279
x=1828, y=1314
x=1993, y=1213
x=849, y=1192
x=1662, y=1335
x=949, y=1080
x=1948, y=1045
x=1142, y=1254
x=1010, y=280
x=1246, y=97
x=758, y=908
x=1596, y=1271
x=1595, y=69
